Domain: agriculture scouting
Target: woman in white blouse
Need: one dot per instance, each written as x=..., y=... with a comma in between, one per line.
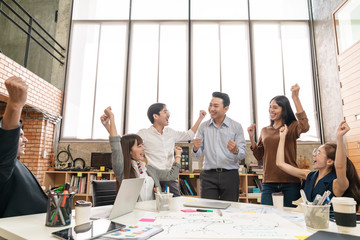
x=128, y=160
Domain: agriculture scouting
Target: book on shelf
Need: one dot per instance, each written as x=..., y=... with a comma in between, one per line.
x=183, y=187
x=190, y=187
x=258, y=183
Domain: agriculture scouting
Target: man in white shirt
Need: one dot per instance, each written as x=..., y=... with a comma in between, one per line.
x=159, y=141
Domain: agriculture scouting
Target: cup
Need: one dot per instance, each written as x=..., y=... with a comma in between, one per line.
x=316, y=216
x=278, y=200
x=82, y=212
x=163, y=201
x=345, y=213
x=58, y=209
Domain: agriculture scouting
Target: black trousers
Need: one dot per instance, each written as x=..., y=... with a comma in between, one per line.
x=220, y=184
x=173, y=185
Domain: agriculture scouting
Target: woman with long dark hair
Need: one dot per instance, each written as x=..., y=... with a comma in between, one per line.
x=333, y=170
x=128, y=159
x=276, y=180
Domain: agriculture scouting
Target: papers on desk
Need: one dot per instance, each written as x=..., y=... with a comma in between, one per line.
x=257, y=223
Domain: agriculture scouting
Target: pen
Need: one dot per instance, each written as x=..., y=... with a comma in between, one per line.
x=203, y=210
x=155, y=190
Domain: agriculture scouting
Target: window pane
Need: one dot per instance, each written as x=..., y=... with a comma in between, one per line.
x=219, y=9
x=173, y=73
x=206, y=66
x=79, y=100
x=101, y=10
x=279, y=10
x=159, y=10
x=143, y=74
x=297, y=69
x=110, y=76
x=235, y=71
x=268, y=69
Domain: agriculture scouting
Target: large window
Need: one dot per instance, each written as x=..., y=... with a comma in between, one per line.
x=167, y=53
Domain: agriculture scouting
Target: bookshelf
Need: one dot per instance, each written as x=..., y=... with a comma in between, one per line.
x=56, y=178
x=193, y=180
x=247, y=183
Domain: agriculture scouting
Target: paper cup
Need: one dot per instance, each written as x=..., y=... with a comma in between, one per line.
x=82, y=212
x=345, y=213
x=278, y=200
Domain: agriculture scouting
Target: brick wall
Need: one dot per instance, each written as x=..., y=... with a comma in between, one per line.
x=43, y=100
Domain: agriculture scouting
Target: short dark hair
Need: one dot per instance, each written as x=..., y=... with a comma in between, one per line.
x=154, y=109
x=223, y=96
x=287, y=115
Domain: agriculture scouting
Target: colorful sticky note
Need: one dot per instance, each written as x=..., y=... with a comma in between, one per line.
x=301, y=237
x=102, y=168
x=191, y=175
x=249, y=211
x=260, y=176
x=147, y=220
x=188, y=210
x=79, y=174
x=258, y=200
x=99, y=174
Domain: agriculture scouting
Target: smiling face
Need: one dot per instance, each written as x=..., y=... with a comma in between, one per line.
x=22, y=141
x=275, y=111
x=216, y=108
x=137, y=151
x=162, y=118
x=320, y=159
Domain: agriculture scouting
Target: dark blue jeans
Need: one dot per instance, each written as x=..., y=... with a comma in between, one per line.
x=291, y=192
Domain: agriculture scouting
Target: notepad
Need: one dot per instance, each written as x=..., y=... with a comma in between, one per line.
x=135, y=232
x=323, y=235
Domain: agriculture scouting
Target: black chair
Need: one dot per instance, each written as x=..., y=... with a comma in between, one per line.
x=104, y=192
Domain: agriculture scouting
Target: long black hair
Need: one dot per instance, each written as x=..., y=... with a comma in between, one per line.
x=287, y=115
x=351, y=173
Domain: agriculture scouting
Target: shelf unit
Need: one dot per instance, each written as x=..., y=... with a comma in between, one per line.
x=194, y=179
x=247, y=180
x=56, y=178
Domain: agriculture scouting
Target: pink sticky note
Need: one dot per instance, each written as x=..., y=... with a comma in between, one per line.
x=147, y=220
x=188, y=210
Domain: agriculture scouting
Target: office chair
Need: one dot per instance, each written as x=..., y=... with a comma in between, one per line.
x=104, y=192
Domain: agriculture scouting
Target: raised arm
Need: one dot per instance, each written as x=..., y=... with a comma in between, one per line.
x=17, y=89
x=280, y=158
x=295, y=96
x=251, y=131
x=108, y=120
x=202, y=114
x=341, y=183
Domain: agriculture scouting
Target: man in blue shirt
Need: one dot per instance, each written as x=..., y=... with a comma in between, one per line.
x=222, y=141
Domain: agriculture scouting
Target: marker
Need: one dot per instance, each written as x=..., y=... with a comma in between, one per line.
x=203, y=210
x=155, y=190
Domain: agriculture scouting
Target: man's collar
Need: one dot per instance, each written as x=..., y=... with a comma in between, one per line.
x=226, y=122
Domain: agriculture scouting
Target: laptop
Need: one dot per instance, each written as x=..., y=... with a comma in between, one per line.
x=125, y=200
x=208, y=204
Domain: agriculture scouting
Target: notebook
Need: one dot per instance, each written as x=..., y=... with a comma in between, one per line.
x=208, y=204
x=125, y=200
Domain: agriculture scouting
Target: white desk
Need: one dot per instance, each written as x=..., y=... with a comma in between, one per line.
x=240, y=219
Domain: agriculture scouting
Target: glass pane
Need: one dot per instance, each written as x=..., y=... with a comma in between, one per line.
x=219, y=9
x=143, y=74
x=297, y=69
x=268, y=69
x=173, y=73
x=206, y=66
x=110, y=76
x=101, y=10
x=235, y=72
x=79, y=99
x=159, y=10
x=347, y=20
x=279, y=10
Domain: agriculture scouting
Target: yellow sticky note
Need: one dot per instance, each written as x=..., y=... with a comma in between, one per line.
x=260, y=176
x=258, y=200
x=301, y=237
x=249, y=211
x=102, y=168
x=191, y=175
x=79, y=174
x=99, y=174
